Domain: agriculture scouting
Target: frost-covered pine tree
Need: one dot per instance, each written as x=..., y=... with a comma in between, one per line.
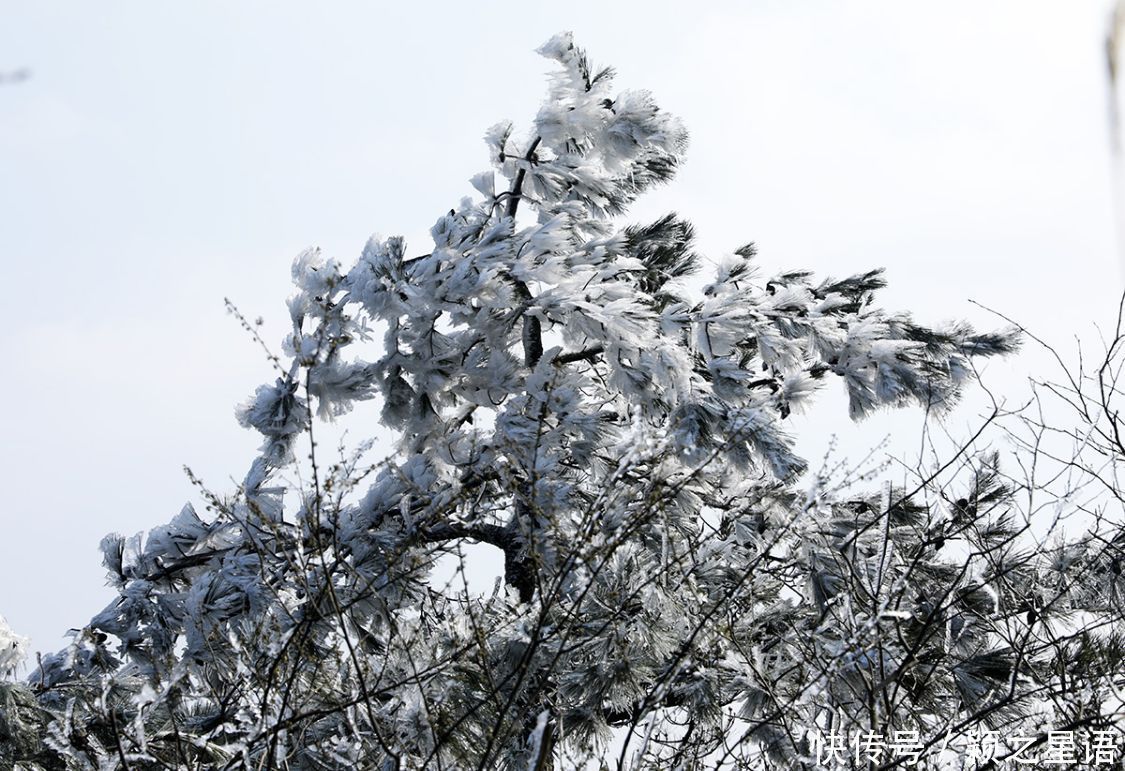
x=678, y=591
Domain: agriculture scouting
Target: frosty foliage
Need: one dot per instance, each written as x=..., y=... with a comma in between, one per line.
x=13, y=649
x=675, y=593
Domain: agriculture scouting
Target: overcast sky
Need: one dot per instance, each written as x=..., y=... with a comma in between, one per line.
x=162, y=156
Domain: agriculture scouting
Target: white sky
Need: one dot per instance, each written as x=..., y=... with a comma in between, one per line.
x=162, y=156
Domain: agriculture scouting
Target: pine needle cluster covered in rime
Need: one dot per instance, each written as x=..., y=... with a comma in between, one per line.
x=674, y=594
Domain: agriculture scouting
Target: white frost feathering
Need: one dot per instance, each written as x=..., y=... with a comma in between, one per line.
x=13, y=649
